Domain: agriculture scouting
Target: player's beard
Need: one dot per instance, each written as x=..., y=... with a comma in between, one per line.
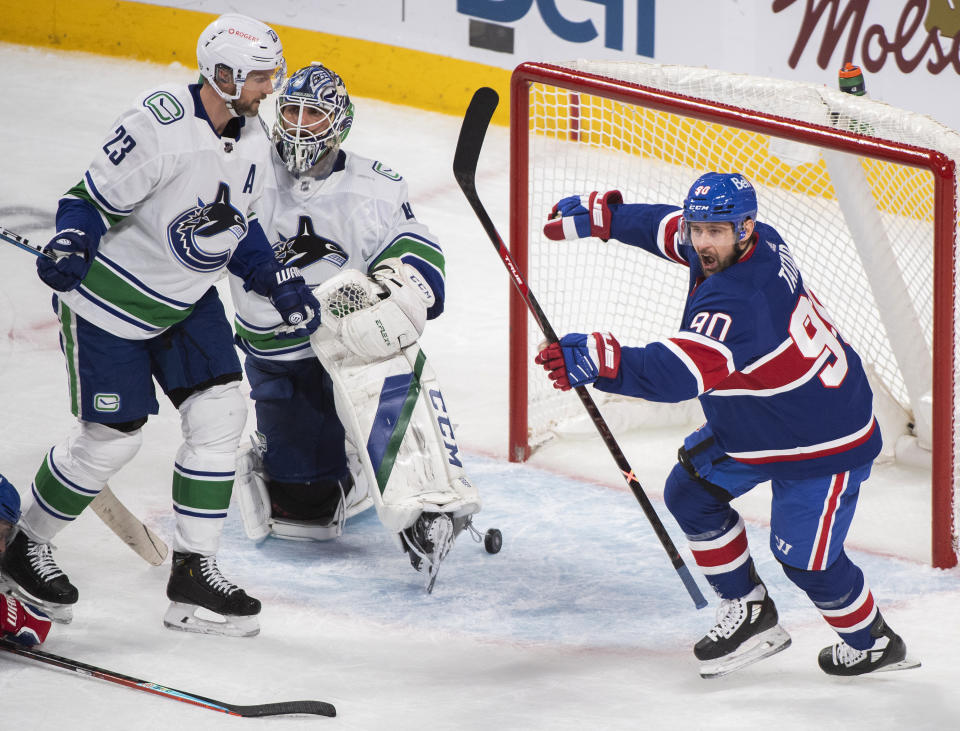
x=248, y=108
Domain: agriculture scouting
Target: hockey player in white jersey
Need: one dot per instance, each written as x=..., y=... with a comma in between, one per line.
x=166, y=205
x=346, y=222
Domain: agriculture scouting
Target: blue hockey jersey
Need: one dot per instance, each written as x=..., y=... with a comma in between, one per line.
x=781, y=389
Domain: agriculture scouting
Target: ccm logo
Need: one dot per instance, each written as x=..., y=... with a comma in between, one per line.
x=446, y=428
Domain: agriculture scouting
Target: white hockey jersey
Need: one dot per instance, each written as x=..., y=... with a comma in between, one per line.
x=176, y=200
x=351, y=219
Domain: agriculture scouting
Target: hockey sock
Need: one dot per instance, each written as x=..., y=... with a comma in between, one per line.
x=73, y=473
x=841, y=594
x=724, y=558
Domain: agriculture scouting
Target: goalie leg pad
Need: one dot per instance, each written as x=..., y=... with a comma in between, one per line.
x=396, y=409
x=252, y=496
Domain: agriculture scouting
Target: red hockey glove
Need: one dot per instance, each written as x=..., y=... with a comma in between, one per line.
x=579, y=216
x=22, y=623
x=580, y=359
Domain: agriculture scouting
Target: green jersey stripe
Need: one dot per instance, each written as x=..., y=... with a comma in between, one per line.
x=113, y=289
x=80, y=191
x=420, y=249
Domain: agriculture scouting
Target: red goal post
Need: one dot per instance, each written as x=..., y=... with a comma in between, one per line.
x=865, y=194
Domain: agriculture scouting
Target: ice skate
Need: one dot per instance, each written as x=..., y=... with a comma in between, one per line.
x=427, y=542
x=31, y=575
x=746, y=631
x=888, y=653
x=197, y=584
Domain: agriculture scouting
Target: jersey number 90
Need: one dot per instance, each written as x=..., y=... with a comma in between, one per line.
x=814, y=336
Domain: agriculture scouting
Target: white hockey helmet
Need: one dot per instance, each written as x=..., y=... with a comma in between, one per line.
x=241, y=45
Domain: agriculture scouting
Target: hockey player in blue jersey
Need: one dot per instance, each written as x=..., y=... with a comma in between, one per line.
x=786, y=400
x=165, y=208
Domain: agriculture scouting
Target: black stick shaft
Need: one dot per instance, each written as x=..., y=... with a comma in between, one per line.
x=316, y=708
x=475, y=123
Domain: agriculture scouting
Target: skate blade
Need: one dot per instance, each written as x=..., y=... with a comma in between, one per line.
x=59, y=613
x=432, y=570
x=907, y=663
x=764, y=645
x=182, y=617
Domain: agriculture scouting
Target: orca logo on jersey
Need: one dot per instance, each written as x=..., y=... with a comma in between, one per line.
x=306, y=247
x=203, y=238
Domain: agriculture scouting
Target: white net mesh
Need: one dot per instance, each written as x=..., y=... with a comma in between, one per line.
x=860, y=228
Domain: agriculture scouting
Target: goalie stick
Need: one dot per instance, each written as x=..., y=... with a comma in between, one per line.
x=465, y=160
x=147, y=544
x=284, y=708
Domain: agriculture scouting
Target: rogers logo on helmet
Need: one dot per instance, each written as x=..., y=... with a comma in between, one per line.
x=235, y=32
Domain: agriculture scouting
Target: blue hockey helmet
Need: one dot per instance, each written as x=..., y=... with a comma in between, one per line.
x=720, y=197
x=9, y=501
x=303, y=138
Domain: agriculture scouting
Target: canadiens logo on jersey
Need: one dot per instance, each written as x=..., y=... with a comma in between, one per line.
x=203, y=238
x=306, y=247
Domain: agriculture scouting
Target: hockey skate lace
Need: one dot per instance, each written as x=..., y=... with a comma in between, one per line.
x=217, y=581
x=41, y=561
x=847, y=656
x=730, y=615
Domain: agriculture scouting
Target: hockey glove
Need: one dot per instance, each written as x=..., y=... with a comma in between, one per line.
x=22, y=623
x=580, y=359
x=579, y=216
x=67, y=259
x=296, y=304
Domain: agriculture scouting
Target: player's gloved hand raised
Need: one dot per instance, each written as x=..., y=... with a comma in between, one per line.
x=67, y=260
x=296, y=304
x=579, y=216
x=579, y=359
x=24, y=624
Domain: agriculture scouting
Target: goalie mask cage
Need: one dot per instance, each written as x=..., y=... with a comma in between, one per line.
x=864, y=194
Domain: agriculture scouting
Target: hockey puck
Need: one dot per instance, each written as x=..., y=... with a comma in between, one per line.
x=493, y=541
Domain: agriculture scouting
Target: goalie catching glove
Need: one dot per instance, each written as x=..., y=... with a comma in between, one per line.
x=396, y=320
x=579, y=359
x=580, y=216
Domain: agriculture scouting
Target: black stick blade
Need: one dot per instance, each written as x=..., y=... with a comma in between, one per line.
x=474, y=129
x=313, y=708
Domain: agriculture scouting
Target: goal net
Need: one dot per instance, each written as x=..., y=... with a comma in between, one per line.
x=864, y=194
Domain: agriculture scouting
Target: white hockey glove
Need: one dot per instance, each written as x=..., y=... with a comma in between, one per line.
x=394, y=322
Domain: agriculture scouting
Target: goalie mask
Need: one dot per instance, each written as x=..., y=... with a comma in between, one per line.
x=314, y=115
x=240, y=45
x=720, y=197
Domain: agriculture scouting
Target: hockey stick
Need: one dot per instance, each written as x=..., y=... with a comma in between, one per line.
x=315, y=708
x=474, y=129
x=147, y=544
x=128, y=528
